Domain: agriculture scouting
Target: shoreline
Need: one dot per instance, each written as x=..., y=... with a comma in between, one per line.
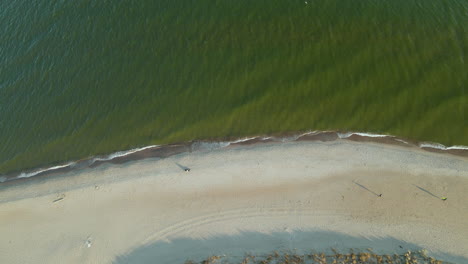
x=246, y=198
x=164, y=151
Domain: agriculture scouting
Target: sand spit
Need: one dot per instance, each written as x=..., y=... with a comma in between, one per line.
x=290, y=196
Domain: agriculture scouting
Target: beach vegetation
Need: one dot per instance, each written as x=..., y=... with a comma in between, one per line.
x=408, y=257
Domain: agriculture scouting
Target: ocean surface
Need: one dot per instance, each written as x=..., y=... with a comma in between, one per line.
x=89, y=77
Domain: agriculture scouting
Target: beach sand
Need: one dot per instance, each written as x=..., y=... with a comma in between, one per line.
x=242, y=199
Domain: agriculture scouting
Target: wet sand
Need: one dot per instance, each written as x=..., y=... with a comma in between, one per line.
x=256, y=198
x=164, y=151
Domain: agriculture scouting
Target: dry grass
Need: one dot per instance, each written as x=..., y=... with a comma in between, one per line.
x=321, y=258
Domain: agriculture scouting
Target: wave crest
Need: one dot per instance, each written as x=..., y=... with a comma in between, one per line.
x=213, y=145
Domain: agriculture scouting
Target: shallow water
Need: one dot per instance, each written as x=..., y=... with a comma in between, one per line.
x=86, y=77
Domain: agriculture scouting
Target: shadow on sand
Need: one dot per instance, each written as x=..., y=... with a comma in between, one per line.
x=234, y=247
x=367, y=189
x=182, y=167
x=426, y=191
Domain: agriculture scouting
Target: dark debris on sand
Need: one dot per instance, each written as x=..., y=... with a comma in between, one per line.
x=321, y=258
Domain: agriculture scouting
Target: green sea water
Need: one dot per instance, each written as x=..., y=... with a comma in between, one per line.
x=86, y=77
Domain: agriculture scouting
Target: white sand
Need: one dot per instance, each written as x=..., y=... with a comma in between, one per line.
x=296, y=195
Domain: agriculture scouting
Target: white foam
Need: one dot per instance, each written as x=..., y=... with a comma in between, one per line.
x=401, y=140
x=458, y=147
x=432, y=145
x=122, y=153
x=34, y=173
x=203, y=145
x=249, y=138
x=294, y=137
x=308, y=133
x=223, y=144
x=340, y=135
x=421, y=145
x=242, y=140
x=370, y=135
x=440, y=146
x=348, y=134
x=71, y=164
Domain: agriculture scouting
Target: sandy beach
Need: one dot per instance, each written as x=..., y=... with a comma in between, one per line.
x=242, y=199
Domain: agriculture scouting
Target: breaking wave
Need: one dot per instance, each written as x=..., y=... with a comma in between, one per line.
x=36, y=172
x=348, y=134
x=122, y=153
x=441, y=147
x=212, y=145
